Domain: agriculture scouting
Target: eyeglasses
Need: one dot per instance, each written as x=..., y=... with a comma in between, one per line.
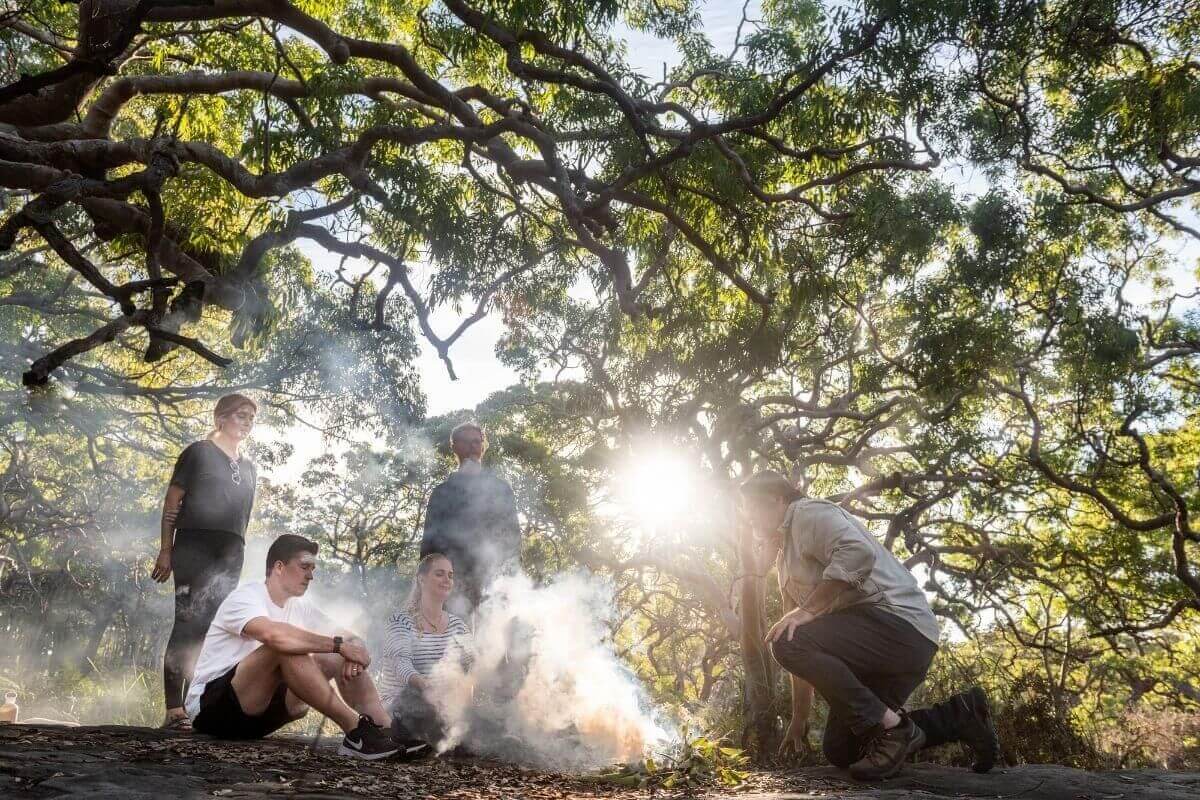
x=236, y=470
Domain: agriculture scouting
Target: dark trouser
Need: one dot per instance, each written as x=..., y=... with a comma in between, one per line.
x=863, y=660
x=415, y=719
x=206, y=566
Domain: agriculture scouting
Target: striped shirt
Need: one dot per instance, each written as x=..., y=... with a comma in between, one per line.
x=409, y=651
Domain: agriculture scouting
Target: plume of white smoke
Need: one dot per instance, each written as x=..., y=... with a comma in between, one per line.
x=546, y=687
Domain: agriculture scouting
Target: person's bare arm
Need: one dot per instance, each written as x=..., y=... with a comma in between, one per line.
x=285, y=638
x=351, y=669
x=166, y=533
x=322, y=622
x=822, y=598
x=818, y=602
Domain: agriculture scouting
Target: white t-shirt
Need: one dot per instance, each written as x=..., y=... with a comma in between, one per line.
x=225, y=646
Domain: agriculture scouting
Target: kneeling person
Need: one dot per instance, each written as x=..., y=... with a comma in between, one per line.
x=270, y=655
x=861, y=632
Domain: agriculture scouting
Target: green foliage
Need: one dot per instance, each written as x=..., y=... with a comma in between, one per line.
x=694, y=764
x=1033, y=731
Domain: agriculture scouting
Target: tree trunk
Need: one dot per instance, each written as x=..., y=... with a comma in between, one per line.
x=761, y=729
x=100, y=627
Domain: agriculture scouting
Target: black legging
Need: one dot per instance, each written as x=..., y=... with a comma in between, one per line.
x=206, y=566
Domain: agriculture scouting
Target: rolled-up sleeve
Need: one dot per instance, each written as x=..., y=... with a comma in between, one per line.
x=834, y=541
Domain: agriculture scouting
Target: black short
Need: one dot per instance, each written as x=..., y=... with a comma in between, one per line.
x=221, y=714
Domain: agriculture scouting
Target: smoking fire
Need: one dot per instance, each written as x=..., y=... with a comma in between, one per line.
x=546, y=688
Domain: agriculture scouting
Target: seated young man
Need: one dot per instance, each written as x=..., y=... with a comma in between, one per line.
x=861, y=632
x=270, y=655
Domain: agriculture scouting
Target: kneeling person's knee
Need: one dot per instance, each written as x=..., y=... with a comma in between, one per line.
x=789, y=651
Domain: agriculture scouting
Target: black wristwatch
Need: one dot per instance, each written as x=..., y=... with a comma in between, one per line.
x=337, y=644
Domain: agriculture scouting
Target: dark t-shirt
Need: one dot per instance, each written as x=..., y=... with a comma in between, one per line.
x=212, y=500
x=472, y=519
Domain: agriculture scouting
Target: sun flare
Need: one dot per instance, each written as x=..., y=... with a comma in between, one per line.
x=657, y=488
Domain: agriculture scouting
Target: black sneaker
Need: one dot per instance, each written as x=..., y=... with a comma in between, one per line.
x=887, y=750
x=977, y=730
x=368, y=741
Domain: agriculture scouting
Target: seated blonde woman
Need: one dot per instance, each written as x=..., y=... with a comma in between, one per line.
x=419, y=637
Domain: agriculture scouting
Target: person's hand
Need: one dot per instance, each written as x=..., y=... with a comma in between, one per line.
x=788, y=623
x=355, y=653
x=162, y=566
x=352, y=671
x=795, y=740
x=419, y=683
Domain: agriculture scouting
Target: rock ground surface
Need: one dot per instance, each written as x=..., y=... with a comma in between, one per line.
x=134, y=763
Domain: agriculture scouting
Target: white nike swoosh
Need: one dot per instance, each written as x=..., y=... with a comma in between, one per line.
x=351, y=743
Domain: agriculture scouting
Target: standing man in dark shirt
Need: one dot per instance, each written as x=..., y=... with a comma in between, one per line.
x=472, y=519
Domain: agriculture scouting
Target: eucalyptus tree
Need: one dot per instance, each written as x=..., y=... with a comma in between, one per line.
x=507, y=146
x=782, y=273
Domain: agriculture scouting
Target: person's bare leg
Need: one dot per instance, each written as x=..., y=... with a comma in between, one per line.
x=306, y=680
x=261, y=672
x=295, y=706
x=359, y=693
x=256, y=679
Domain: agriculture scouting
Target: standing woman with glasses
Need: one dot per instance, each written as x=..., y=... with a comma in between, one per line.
x=203, y=539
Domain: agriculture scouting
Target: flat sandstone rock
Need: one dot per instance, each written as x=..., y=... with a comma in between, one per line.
x=128, y=763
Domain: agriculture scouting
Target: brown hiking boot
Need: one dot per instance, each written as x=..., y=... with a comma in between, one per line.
x=976, y=730
x=886, y=752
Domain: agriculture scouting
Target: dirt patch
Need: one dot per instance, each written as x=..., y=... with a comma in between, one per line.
x=135, y=763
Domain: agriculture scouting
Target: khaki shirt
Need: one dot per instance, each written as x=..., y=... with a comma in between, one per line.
x=822, y=541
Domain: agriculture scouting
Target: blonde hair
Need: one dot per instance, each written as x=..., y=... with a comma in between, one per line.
x=413, y=604
x=229, y=404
